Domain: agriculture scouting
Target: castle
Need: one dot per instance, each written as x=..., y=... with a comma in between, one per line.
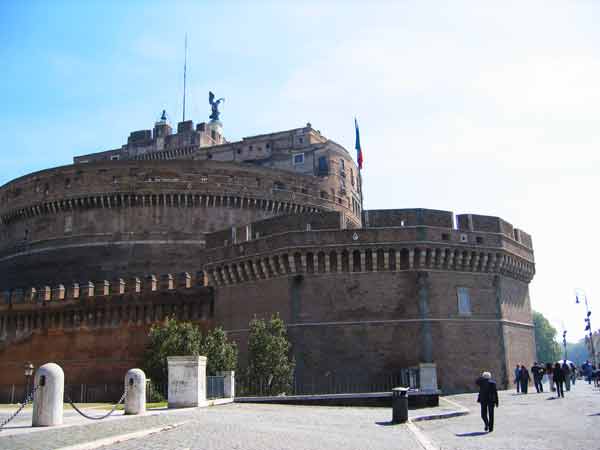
x=216, y=232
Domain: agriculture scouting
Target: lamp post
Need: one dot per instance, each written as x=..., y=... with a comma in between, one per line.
x=28, y=373
x=588, y=324
x=565, y=343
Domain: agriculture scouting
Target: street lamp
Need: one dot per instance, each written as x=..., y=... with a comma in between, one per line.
x=28, y=373
x=588, y=324
x=565, y=343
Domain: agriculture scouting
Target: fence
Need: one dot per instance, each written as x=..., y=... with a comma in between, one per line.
x=331, y=383
x=110, y=393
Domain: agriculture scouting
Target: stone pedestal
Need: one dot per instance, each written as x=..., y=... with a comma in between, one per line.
x=228, y=383
x=187, y=381
x=135, y=383
x=49, y=383
x=428, y=377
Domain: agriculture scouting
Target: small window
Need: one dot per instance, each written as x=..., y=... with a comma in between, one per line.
x=114, y=158
x=250, y=148
x=239, y=151
x=464, y=301
x=299, y=158
x=300, y=140
x=68, y=224
x=445, y=237
x=464, y=238
x=342, y=164
x=209, y=156
x=479, y=240
x=268, y=145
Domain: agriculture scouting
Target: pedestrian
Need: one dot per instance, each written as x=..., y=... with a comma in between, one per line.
x=524, y=379
x=518, y=378
x=566, y=375
x=573, y=374
x=537, y=371
x=558, y=380
x=586, y=369
x=488, y=398
x=549, y=374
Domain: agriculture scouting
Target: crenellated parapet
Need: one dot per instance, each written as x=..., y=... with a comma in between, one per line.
x=133, y=301
x=401, y=240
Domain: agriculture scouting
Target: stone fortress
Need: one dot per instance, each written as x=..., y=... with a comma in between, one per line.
x=189, y=225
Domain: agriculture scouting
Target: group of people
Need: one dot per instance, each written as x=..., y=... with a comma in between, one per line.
x=559, y=377
x=591, y=373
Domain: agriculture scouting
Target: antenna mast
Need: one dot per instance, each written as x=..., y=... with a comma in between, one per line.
x=184, y=75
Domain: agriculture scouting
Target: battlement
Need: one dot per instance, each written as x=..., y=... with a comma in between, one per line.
x=103, y=288
x=420, y=224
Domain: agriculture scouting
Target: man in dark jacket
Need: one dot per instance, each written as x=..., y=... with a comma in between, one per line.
x=538, y=372
x=488, y=397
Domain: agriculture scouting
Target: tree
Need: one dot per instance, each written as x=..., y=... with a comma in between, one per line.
x=547, y=349
x=270, y=368
x=173, y=338
x=221, y=354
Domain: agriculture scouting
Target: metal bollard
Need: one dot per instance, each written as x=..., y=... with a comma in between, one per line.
x=399, y=405
x=49, y=385
x=135, y=383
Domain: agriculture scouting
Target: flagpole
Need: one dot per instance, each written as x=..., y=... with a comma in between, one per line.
x=359, y=160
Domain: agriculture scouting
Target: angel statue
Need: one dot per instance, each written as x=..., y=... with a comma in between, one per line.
x=214, y=105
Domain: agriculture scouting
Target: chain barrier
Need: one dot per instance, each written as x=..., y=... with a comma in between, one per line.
x=25, y=402
x=104, y=416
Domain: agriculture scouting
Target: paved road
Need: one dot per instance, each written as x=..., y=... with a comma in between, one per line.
x=524, y=422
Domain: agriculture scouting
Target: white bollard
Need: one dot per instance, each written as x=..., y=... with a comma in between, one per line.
x=135, y=383
x=49, y=382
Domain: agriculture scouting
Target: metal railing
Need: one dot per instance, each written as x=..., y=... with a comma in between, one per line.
x=331, y=383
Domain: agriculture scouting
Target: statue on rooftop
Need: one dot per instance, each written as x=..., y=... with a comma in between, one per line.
x=214, y=105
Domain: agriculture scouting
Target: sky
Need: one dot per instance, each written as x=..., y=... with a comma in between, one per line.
x=473, y=107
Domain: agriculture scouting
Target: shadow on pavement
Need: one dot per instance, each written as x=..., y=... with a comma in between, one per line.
x=471, y=434
x=386, y=424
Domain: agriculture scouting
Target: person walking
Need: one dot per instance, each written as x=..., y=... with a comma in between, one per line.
x=524, y=379
x=557, y=375
x=488, y=398
x=537, y=371
x=573, y=374
x=586, y=369
x=518, y=378
x=550, y=374
x=567, y=375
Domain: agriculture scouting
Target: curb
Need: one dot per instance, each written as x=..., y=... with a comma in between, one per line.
x=447, y=415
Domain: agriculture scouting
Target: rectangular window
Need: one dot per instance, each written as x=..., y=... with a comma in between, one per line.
x=323, y=165
x=299, y=158
x=464, y=301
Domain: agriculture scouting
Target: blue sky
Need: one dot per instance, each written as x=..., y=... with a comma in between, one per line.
x=479, y=107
